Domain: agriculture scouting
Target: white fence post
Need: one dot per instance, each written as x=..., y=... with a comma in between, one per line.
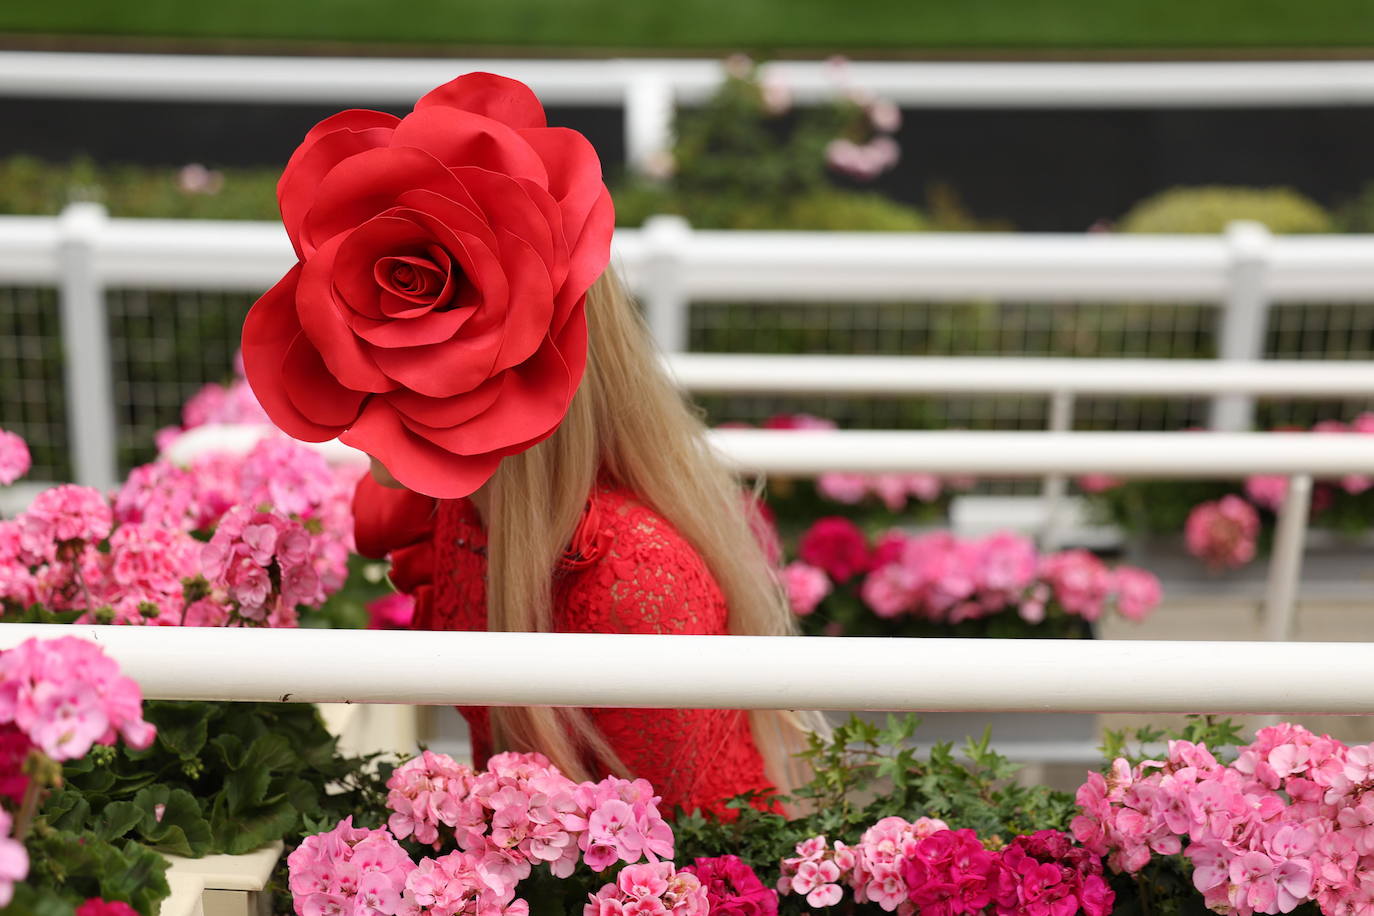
x=86, y=348
x=649, y=110
x=665, y=299
x=1244, y=317
x=1285, y=565
x=1055, y=486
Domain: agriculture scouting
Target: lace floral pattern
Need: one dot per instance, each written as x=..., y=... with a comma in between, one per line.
x=643, y=578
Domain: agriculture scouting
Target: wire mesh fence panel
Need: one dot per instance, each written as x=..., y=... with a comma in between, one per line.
x=164, y=346
x=1320, y=331
x=31, y=389
x=957, y=329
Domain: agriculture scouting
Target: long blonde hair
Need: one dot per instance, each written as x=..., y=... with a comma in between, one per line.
x=631, y=422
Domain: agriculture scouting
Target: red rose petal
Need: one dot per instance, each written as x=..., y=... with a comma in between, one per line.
x=508, y=204
x=414, y=461
x=421, y=331
x=574, y=172
x=322, y=319
x=534, y=400
x=358, y=252
x=498, y=97
x=301, y=178
x=589, y=259
x=313, y=391
x=439, y=413
x=531, y=302
x=558, y=265
x=464, y=138
x=367, y=184
x=571, y=342
x=268, y=333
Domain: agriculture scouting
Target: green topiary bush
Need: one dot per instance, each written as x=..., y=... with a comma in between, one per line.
x=1208, y=209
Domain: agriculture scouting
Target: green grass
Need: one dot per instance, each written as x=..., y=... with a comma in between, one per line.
x=718, y=25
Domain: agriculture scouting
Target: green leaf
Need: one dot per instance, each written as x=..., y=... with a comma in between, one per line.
x=181, y=830
x=117, y=819
x=182, y=728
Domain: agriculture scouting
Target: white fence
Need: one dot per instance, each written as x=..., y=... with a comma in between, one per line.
x=732, y=672
x=670, y=266
x=649, y=90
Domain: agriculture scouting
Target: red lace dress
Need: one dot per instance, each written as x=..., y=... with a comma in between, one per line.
x=627, y=571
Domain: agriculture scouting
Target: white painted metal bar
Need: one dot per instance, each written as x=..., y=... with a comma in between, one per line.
x=1285, y=563
x=839, y=267
x=379, y=81
x=743, y=672
x=899, y=376
x=803, y=453
x=1150, y=455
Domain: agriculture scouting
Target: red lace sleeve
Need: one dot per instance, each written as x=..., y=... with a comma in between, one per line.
x=399, y=524
x=648, y=579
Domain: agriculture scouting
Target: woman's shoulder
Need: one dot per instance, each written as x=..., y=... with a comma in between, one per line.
x=631, y=570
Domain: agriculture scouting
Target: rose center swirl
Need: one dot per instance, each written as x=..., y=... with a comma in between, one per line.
x=426, y=280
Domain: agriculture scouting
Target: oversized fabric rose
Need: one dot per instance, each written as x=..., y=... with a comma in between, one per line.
x=436, y=318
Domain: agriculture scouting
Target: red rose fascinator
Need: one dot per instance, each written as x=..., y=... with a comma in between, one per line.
x=436, y=317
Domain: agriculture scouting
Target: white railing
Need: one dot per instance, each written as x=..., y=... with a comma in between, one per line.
x=732, y=672
x=669, y=265
x=649, y=90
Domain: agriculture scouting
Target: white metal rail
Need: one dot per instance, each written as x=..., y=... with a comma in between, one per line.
x=907, y=376
x=735, y=672
x=650, y=89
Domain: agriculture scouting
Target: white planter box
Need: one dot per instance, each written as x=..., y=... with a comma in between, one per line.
x=229, y=885
x=366, y=728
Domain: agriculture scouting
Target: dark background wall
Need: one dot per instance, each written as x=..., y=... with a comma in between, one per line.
x=1041, y=170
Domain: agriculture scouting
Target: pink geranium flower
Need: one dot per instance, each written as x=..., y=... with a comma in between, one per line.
x=1223, y=532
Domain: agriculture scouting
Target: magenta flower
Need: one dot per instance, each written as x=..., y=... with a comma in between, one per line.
x=836, y=545
x=732, y=888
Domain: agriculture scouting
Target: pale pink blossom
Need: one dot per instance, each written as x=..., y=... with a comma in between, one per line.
x=14, y=457
x=1223, y=532
x=806, y=587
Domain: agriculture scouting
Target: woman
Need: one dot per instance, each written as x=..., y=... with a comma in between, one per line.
x=452, y=315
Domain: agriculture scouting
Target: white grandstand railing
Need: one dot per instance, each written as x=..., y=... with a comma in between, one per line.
x=650, y=89
x=669, y=266
x=732, y=672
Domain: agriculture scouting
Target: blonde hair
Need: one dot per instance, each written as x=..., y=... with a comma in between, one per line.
x=630, y=421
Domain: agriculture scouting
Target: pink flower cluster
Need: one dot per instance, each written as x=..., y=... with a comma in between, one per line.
x=946, y=579
x=281, y=529
x=519, y=813
x=1290, y=821
x=352, y=870
x=925, y=867
x=1223, y=532
x=264, y=566
x=66, y=694
x=732, y=888
x=14, y=457
x=893, y=490
x=651, y=889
